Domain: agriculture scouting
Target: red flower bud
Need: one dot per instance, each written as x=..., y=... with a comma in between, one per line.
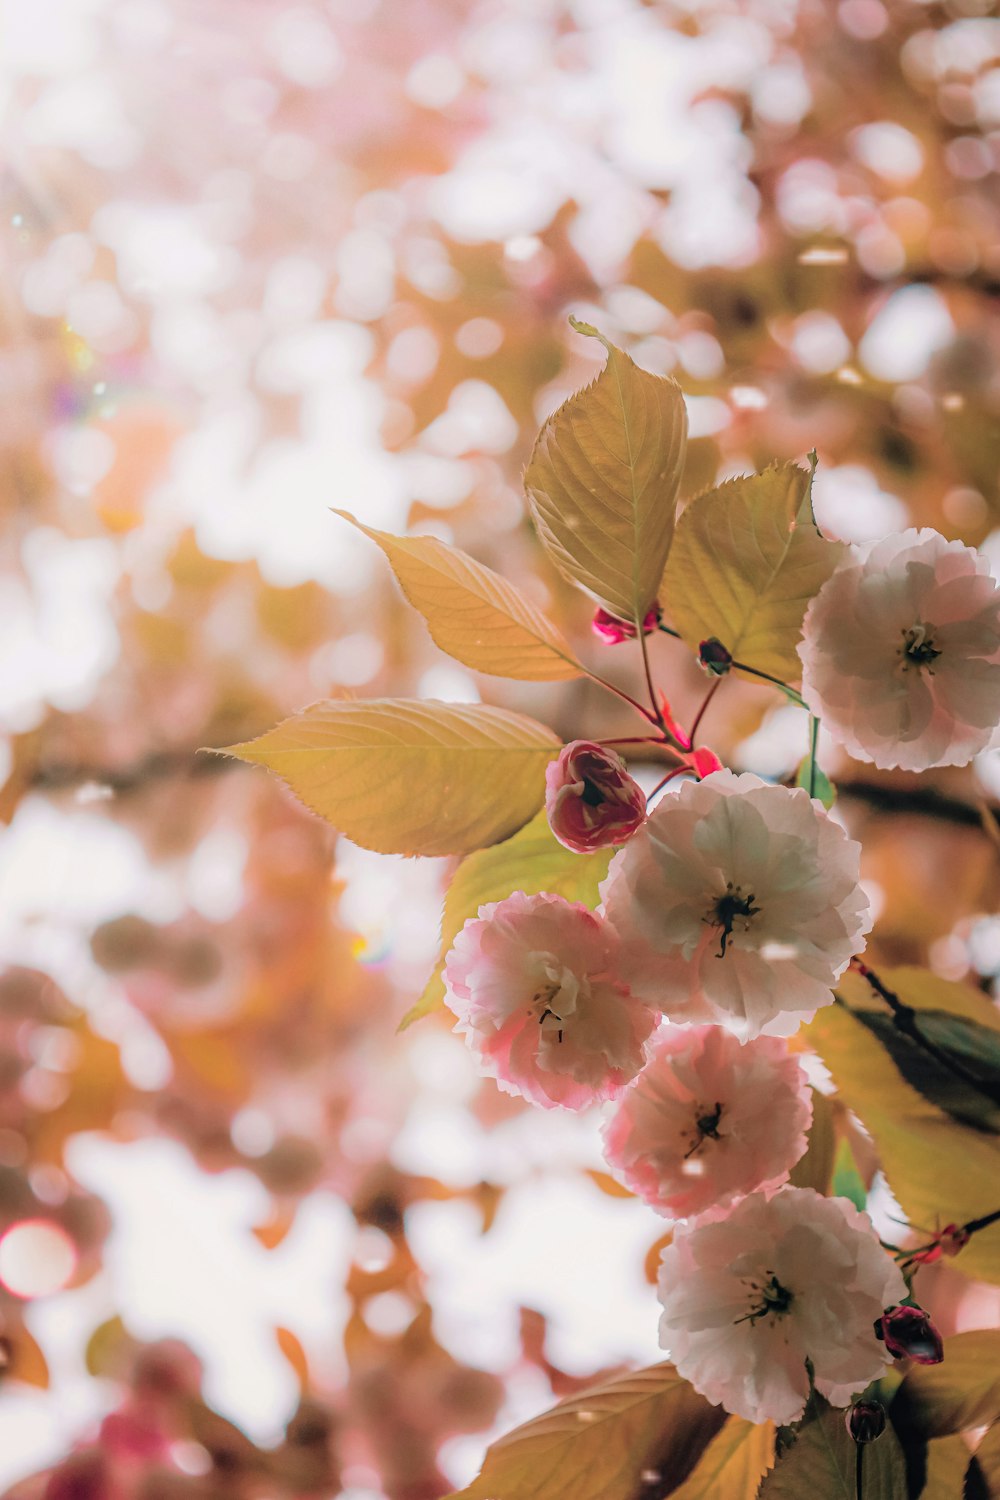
x=591, y=800
x=705, y=761
x=865, y=1421
x=613, y=631
x=714, y=657
x=908, y=1333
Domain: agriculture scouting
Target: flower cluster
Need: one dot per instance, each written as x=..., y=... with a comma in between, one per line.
x=728, y=913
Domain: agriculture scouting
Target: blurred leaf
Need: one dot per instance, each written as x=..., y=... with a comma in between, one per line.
x=940, y=1171
x=746, y=562
x=598, y=1444
x=732, y=1465
x=847, y=1180
x=947, y=1459
x=110, y=1349
x=822, y=786
x=532, y=861
x=975, y=1048
x=815, y=1168
x=603, y=478
x=25, y=1361
x=986, y=1465
x=821, y=1464
x=651, y=1262
x=408, y=776
x=608, y=1184
x=291, y=1348
x=473, y=613
x=961, y=1392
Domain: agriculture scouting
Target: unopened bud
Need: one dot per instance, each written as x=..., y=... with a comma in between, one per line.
x=613, y=631
x=865, y=1421
x=908, y=1333
x=714, y=657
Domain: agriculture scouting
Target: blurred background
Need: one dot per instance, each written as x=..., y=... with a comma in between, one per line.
x=265, y=257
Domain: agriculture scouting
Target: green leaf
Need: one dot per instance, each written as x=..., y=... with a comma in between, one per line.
x=732, y=1465
x=822, y=1464
x=599, y=1445
x=822, y=786
x=602, y=482
x=940, y=1172
x=473, y=613
x=961, y=1392
x=408, y=776
x=745, y=563
x=847, y=1180
x=974, y=1047
x=532, y=861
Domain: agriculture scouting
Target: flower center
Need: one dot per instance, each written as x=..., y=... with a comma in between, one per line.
x=592, y=796
x=729, y=909
x=773, y=1298
x=918, y=648
x=555, y=996
x=706, y=1127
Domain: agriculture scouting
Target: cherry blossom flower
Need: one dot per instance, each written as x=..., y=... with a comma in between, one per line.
x=612, y=630
x=709, y=1120
x=533, y=982
x=590, y=798
x=901, y=652
x=737, y=903
x=749, y=1298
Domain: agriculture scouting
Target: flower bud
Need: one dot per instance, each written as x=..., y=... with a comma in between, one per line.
x=590, y=799
x=865, y=1421
x=714, y=657
x=613, y=631
x=908, y=1333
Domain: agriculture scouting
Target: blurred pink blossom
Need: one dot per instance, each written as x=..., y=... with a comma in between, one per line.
x=533, y=982
x=738, y=902
x=590, y=798
x=749, y=1298
x=709, y=1120
x=901, y=653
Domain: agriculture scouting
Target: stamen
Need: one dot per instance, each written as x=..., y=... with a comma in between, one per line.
x=918, y=647
x=775, y=1298
x=707, y=1127
x=726, y=910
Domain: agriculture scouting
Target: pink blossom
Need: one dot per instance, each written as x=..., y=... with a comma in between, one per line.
x=590, y=798
x=533, y=982
x=738, y=903
x=612, y=630
x=749, y=1298
x=901, y=652
x=709, y=1120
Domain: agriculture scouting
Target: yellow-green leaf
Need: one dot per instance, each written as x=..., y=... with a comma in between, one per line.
x=745, y=563
x=961, y=1392
x=603, y=479
x=732, y=1465
x=815, y=1168
x=473, y=613
x=531, y=861
x=599, y=1445
x=940, y=1171
x=408, y=776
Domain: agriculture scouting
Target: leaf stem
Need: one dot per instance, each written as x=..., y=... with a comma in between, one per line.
x=650, y=686
x=813, y=740
x=675, y=771
x=858, y=1468
x=627, y=698
x=742, y=666
x=905, y=1020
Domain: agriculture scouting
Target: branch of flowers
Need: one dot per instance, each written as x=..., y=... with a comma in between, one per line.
x=957, y=1231
x=650, y=685
x=859, y=1467
x=627, y=698
x=813, y=740
x=905, y=1020
x=717, y=683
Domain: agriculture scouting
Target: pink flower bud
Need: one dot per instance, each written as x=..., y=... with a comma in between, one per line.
x=613, y=631
x=714, y=657
x=865, y=1421
x=591, y=800
x=705, y=761
x=908, y=1333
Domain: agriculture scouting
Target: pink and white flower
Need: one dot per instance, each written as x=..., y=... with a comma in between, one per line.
x=709, y=1120
x=533, y=981
x=737, y=903
x=901, y=652
x=590, y=799
x=749, y=1298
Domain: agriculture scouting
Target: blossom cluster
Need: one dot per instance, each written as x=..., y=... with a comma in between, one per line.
x=729, y=911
